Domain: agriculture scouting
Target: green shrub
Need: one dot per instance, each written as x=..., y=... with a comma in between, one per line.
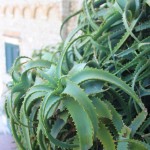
x=94, y=93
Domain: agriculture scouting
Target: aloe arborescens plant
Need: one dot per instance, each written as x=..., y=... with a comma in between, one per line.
x=93, y=94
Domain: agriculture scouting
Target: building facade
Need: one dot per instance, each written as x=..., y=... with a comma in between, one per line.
x=26, y=25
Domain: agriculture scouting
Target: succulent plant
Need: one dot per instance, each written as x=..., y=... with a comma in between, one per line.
x=91, y=93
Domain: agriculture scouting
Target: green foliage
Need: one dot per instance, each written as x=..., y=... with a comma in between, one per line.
x=93, y=91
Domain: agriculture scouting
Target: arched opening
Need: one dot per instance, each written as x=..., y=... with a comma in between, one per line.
x=39, y=12
x=5, y=9
x=16, y=11
x=8, y=11
x=27, y=12
x=47, y=11
x=1, y=11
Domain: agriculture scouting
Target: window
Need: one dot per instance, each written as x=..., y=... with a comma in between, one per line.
x=11, y=53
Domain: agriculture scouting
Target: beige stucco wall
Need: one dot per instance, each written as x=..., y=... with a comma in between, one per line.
x=32, y=24
x=33, y=33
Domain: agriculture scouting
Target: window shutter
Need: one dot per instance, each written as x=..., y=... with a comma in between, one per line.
x=11, y=52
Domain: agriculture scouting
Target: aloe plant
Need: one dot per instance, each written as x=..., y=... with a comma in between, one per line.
x=94, y=93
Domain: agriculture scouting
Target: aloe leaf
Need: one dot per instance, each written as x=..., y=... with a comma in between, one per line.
x=95, y=74
x=143, y=26
x=14, y=132
x=30, y=101
x=67, y=19
x=135, y=144
x=58, y=125
x=34, y=90
x=115, y=16
x=78, y=94
x=11, y=110
x=38, y=88
x=77, y=54
x=133, y=23
x=47, y=77
x=41, y=138
x=120, y=99
x=89, y=17
x=141, y=69
x=51, y=102
x=128, y=51
x=105, y=137
x=92, y=87
x=25, y=130
x=122, y=3
x=84, y=127
x=137, y=122
x=145, y=125
x=134, y=61
x=116, y=118
x=101, y=108
x=124, y=134
x=37, y=64
x=76, y=68
x=59, y=66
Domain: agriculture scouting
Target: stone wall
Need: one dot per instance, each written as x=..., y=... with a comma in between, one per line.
x=70, y=7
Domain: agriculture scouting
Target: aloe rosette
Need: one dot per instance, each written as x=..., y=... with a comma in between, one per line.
x=93, y=94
